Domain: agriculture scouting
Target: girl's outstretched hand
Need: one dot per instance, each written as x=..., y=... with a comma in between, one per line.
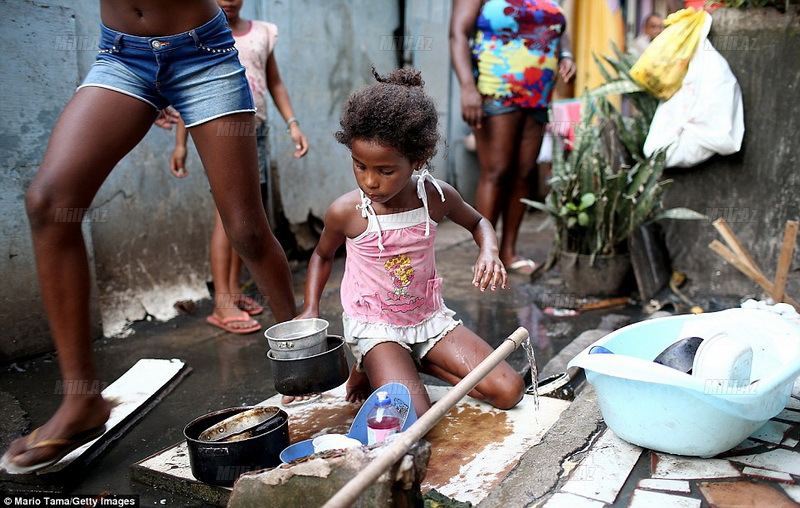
x=489, y=272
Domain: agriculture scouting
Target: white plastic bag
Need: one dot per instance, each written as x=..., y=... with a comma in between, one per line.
x=705, y=116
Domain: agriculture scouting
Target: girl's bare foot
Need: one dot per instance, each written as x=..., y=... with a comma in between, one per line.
x=358, y=387
x=298, y=399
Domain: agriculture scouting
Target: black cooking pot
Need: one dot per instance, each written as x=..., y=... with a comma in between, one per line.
x=220, y=463
x=312, y=374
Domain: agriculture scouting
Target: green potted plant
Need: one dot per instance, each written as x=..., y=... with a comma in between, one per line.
x=606, y=188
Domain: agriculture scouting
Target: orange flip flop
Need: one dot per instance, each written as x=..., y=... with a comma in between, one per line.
x=249, y=305
x=225, y=324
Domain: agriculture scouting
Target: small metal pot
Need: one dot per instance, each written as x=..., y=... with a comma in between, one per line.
x=220, y=462
x=299, y=338
x=313, y=374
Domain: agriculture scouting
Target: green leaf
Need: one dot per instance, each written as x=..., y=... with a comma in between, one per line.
x=587, y=200
x=541, y=206
x=602, y=68
x=619, y=86
x=680, y=213
x=583, y=219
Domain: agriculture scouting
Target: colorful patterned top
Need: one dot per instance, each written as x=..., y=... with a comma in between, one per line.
x=515, y=51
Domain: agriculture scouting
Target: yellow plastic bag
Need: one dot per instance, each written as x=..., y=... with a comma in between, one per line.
x=662, y=66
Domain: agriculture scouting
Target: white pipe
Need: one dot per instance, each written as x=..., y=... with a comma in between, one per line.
x=349, y=493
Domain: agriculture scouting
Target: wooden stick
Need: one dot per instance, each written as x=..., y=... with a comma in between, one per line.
x=604, y=304
x=729, y=256
x=349, y=493
x=784, y=260
x=733, y=241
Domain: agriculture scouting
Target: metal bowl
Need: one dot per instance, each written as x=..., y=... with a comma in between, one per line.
x=297, y=339
x=313, y=374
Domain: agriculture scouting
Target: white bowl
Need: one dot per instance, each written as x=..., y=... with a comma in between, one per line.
x=334, y=442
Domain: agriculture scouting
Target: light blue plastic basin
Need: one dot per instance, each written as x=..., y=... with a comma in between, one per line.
x=660, y=408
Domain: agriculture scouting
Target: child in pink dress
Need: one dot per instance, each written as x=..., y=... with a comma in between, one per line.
x=395, y=321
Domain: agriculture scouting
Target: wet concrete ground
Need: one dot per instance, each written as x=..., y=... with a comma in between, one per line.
x=230, y=370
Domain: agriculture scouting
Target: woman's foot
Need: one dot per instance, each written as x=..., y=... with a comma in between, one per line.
x=233, y=321
x=75, y=422
x=249, y=305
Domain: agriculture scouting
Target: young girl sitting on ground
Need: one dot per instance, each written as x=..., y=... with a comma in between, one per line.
x=395, y=321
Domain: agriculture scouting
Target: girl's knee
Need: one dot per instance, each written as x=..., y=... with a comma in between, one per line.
x=507, y=391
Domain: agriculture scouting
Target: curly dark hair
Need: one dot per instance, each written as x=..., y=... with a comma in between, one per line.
x=393, y=112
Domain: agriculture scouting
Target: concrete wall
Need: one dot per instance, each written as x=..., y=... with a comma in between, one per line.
x=33, y=93
x=758, y=189
x=427, y=31
x=148, y=232
x=325, y=50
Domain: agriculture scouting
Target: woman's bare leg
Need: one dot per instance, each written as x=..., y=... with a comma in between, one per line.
x=86, y=143
x=519, y=186
x=496, y=145
x=460, y=352
x=231, y=163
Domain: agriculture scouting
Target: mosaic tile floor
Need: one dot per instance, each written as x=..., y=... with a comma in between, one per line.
x=764, y=470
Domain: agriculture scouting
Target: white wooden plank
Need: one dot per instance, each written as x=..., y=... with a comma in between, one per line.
x=132, y=390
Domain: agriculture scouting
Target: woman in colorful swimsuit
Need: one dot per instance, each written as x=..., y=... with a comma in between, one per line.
x=506, y=55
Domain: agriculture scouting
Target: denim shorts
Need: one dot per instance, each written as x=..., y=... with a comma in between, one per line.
x=197, y=72
x=492, y=107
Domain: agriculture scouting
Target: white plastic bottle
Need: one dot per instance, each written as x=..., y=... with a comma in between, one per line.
x=383, y=419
